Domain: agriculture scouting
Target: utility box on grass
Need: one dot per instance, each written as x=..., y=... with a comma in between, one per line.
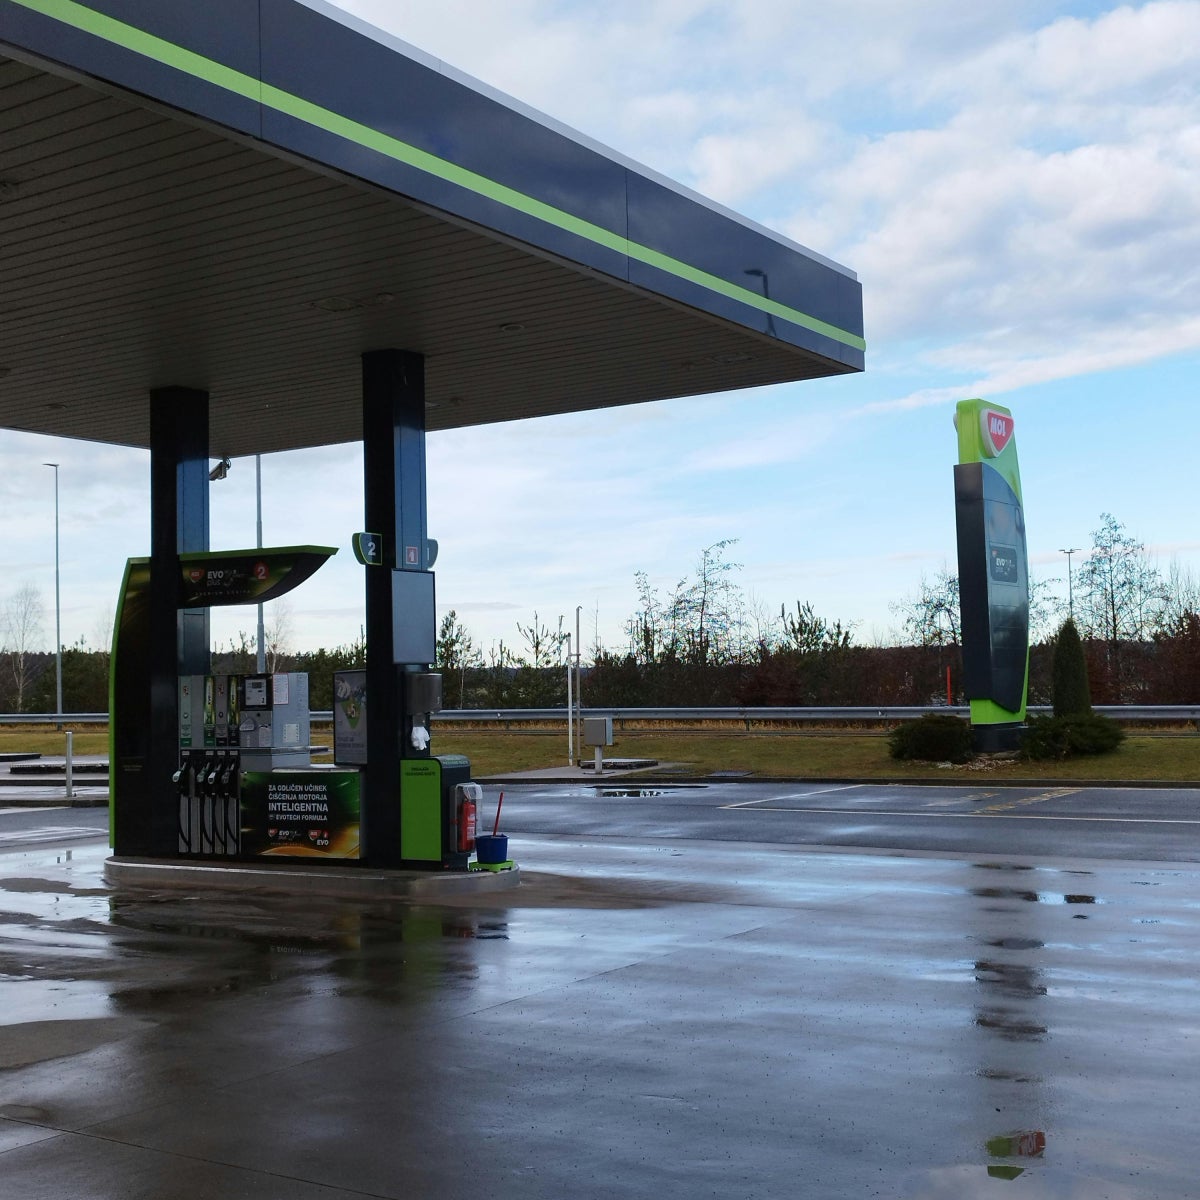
x=597, y=731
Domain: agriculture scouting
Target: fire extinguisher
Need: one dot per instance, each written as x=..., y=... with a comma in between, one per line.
x=469, y=795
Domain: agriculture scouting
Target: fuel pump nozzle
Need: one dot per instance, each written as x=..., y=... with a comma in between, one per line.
x=201, y=771
x=182, y=779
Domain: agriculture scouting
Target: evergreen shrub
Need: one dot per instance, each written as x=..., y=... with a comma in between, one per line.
x=936, y=737
x=1072, y=695
x=1062, y=737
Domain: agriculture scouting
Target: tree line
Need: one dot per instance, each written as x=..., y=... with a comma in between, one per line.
x=703, y=643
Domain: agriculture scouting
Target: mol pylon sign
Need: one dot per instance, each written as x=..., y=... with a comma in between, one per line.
x=993, y=572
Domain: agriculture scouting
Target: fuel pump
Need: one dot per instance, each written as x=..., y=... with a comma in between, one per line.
x=205, y=780
x=217, y=800
x=229, y=724
x=272, y=727
x=195, y=704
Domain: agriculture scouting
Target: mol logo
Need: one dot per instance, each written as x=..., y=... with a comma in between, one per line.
x=997, y=431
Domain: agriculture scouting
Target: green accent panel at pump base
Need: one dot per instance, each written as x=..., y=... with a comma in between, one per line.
x=421, y=811
x=428, y=821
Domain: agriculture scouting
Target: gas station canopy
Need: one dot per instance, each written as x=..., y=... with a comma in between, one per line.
x=243, y=196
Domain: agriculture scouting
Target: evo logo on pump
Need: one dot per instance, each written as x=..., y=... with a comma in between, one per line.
x=997, y=430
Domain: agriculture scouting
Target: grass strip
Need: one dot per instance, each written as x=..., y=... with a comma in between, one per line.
x=1158, y=757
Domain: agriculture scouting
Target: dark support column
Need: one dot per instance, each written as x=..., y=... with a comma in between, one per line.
x=179, y=641
x=394, y=484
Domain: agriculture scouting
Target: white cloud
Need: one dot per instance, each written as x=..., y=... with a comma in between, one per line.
x=1130, y=51
x=1014, y=183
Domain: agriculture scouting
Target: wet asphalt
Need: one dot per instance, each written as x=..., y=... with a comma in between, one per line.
x=642, y=1017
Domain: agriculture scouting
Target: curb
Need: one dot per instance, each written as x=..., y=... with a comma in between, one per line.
x=349, y=882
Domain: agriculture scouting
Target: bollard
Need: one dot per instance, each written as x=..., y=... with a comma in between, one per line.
x=69, y=761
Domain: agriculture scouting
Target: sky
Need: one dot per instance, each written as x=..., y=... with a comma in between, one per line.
x=1017, y=186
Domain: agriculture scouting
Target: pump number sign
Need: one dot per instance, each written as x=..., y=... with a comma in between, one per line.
x=368, y=549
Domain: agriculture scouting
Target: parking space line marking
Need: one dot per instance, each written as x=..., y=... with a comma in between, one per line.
x=51, y=833
x=842, y=787
x=974, y=816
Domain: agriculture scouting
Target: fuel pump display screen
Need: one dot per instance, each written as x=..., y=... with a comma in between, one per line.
x=256, y=691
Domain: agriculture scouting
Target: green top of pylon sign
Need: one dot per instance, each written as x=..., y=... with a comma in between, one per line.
x=986, y=433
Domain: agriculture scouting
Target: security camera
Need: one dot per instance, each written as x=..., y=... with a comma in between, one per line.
x=221, y=469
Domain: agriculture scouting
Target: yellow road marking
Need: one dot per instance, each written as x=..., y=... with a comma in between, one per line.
x=1053, y=794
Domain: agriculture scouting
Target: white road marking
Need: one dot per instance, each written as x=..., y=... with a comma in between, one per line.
x=844, y=787
x=987, y=816
x=52, y=833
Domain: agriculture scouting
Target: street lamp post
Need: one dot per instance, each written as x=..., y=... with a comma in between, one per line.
x=58, y=705
x=1070, y=586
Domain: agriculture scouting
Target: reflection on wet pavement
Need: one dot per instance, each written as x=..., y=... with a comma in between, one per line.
x=695, y=1020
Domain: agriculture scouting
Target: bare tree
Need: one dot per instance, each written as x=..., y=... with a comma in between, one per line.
x=806, y=633
x=1119, y=593
x=1181, y=599
x=1046, y=611
x=546, y=647
x=932, y=617
x=1120, y=596
x=653, y=629
x=456, y=651
x=277, y=636
x=21, y=628
x=712, y=609
x=102, y=632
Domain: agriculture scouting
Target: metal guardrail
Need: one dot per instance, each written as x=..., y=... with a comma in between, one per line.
x=53, y=719
x=1133, y=713
x=865, y=715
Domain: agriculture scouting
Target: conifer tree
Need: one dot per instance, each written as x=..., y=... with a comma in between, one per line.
x=1071, y=693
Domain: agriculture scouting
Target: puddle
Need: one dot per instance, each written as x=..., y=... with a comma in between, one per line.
x=1010, y=979
x=637, y=793
x=1034, y=1179
x=39, y=1041
x=1003, y=893
x=1010, y=1025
